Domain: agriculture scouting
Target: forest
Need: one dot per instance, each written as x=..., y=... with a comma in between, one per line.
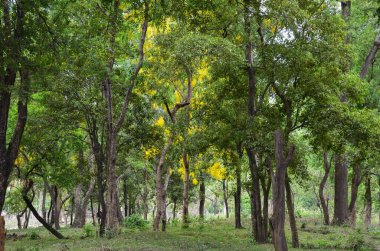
x=189, y=125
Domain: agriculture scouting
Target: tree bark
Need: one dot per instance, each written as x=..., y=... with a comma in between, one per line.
x=29, y=204
x=202, y=195
x=278, y=183
x=368, y=202
x=12, y=47
x=225, y=198
x=341, y=191
x=370, y=57
x=237, y=199
x=186, y=188
x=325, y=209
x=145, y=194
x=292, y=217
x=355, y=182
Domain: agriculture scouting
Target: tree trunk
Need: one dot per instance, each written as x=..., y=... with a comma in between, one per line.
x=174, y=208
x=2, y=233
x=13, y=43
x=292, y=217
x=278, y=182
x=27, y=217
x=43, y=206
x=186, y=187
x=258, y=228
x=368, y=202
x=202, y=195
x=355, y=182
x=225, y=198
x=325, y=209
x=145, y=195
x=29, y=204
x=341, y=191
x=237, y=199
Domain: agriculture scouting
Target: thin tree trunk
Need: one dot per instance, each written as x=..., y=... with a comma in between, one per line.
x=145, y=195
x=368, y=202
x=43, y=206
x=186, y=187
x=225, y=198
x=35, y=212
x=237, y=198
x=341, y=191
x=325, y=209
x=202, y=195
x=292, y=217
x=174, y=208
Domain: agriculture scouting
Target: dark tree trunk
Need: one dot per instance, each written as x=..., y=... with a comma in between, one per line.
x=278, y=182
x=13, y=42
x=27, y=217
x=92, y=212
x=325, y=209
x=174, y=208
x=186, y=187
x=125, y=195
x=225, y=197
x=29, y=204
x=237, y=199
x=341, y=191
x=292, y=216
x=368, y=202
x=202, y=196
x=355, y=182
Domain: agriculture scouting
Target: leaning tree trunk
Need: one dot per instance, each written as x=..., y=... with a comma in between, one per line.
x=355, y=182
x=278, y=182
x=292, y=216
x=341, y=191
x=186, y=188
x=368, y=202
x=29, y=204
x=325, y=209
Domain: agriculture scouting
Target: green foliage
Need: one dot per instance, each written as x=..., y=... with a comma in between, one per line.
x=34, y=235
x=355, y=241
x=88, y=230
x=135, y=221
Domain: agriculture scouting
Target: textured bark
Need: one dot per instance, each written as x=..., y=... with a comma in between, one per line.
x=368, y=202
x=322, y=184
x=277, y=221
x=341, y=191
x=186, y=188
x=174, y=209
x=292, y=217
x=355, y=182
x=43, y=207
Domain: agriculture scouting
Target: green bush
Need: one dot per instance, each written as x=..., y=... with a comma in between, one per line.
x=355, y=241
x=34, y=235
x=89, y=230
x=135, y=221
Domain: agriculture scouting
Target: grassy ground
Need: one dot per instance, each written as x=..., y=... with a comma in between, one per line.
x=211, y=235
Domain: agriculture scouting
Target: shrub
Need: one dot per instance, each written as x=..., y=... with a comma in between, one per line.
x=88, y=230
x=34, y=236
x=355, y=241
x=135, y=221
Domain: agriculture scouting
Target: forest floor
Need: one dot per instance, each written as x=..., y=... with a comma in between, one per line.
x=215, y=234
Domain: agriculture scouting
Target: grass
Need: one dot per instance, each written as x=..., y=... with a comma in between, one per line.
x=214, y=234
